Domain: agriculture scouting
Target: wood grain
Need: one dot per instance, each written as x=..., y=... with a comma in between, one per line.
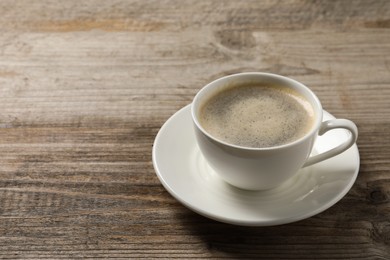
x=86, y=85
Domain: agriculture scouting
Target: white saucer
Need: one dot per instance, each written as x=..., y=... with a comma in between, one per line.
x=185, y=174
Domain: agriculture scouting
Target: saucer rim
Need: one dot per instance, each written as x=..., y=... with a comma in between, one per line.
x=225, y=219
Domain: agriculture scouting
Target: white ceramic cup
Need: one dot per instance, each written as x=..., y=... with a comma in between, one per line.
x=265, y=168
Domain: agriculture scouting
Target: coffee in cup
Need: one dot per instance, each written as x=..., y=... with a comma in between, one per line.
x=257, y=115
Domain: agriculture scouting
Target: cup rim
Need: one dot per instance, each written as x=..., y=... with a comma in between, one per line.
x=313, y=130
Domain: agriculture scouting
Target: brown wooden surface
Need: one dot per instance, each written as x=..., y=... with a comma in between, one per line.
x=86, y=85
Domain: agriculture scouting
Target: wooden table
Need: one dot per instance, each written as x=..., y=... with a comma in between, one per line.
x=86, y=85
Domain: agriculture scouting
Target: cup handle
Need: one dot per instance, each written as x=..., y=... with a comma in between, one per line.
x=329, y=125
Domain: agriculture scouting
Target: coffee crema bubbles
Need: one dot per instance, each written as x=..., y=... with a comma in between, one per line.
x=256, y=115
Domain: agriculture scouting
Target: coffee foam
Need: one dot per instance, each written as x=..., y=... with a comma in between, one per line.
x=257, y=116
